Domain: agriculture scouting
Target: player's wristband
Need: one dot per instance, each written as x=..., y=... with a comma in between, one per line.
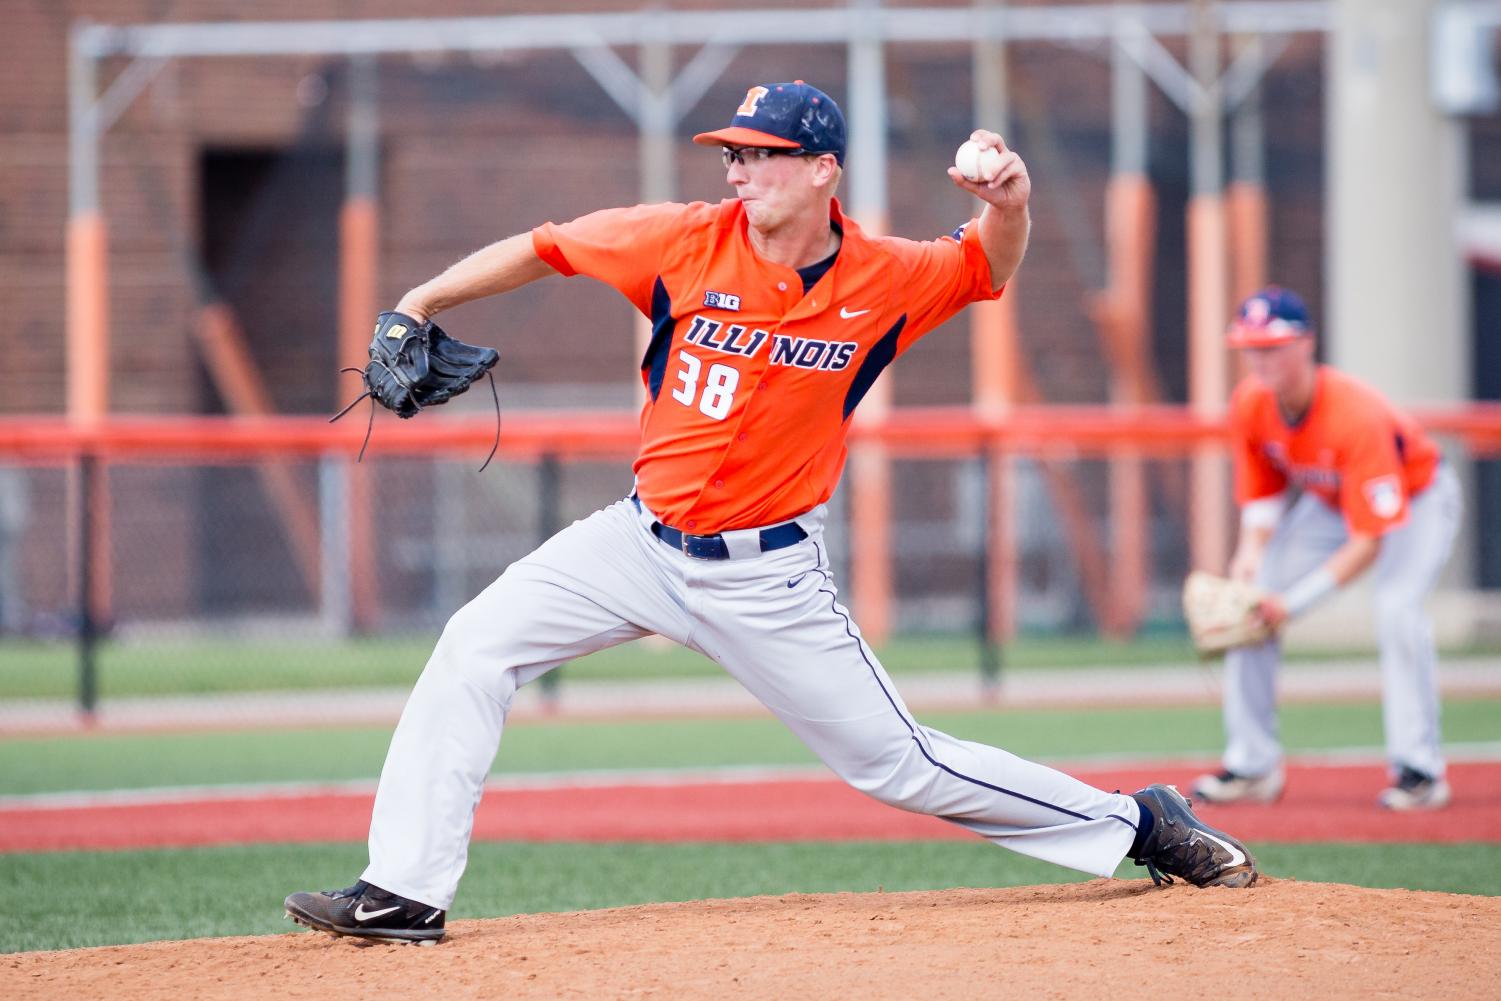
x=1308, y=592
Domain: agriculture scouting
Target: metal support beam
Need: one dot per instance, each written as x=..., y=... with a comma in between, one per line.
x=707, y=65
x=362, y=164
x=1208, y=292
x=994, y=354
x=123, y=90
x=83, y=136
x=1180, y=85
x=657, y=118
x=1246, y=202
x=870, y=504
x=87, y=264
x=612, y=74
x=665, y=104
x=1258, y=53
x=1123, y=314
x=868, y=123
x=809, y=26
x=359, y=299
x=1129, y=107
x=1247, y=157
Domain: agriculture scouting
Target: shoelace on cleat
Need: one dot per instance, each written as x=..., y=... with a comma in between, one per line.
x=1203, y=868
x=1198, y=864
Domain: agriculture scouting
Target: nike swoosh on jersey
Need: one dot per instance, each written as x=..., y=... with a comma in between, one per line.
x=360, y=914
x=846, y=313
x=1236, y=855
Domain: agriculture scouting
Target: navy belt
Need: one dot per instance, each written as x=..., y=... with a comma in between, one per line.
x=713, y=547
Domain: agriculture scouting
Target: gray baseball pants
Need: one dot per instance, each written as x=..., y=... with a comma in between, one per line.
x=1405, y=572
x=774, y=622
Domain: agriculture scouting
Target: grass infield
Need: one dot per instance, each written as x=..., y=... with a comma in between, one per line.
x=170, y=665
x=69, y=900
x=173, y=665
x=131, y=761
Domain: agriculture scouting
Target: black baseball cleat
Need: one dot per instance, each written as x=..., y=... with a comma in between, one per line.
x=366, y=911
x=1182, y=845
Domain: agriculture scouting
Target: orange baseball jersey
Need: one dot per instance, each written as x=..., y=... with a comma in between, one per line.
x=1362, y=456
x=750, y=382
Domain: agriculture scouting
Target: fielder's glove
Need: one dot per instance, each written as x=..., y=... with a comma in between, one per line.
x=416, y=365
x=1221, y=613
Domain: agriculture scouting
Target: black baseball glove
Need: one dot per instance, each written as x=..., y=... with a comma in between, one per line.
x=416, y=365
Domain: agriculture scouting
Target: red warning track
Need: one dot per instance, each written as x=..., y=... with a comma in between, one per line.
x=1323, y=803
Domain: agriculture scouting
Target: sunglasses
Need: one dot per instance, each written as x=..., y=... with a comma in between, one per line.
x=759, y=154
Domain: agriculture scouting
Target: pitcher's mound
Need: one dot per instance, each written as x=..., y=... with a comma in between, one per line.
x=1115, y=939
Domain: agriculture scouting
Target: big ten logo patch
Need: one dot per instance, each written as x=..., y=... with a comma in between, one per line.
x=722, y=300
x=731, y=338
x=1384, y=495
x=809, y=353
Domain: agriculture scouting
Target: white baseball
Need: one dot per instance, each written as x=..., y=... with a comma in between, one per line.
x=977, y=164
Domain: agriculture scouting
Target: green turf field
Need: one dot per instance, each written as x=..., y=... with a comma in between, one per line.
x=97, y=898
x=167, y=665
x=68, y=900
x=127, y=761
x=161, y=667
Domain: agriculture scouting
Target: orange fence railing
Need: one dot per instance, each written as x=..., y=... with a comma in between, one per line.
x=1052, y=436
x=921, y=431
x=925, y=431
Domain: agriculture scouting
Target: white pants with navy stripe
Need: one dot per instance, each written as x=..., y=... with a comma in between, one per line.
x=1406, y=569
x=774, y=622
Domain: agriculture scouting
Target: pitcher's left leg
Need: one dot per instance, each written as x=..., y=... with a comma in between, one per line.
x=776, y=625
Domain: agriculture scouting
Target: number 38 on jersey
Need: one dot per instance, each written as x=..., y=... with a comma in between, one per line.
x=716, y=394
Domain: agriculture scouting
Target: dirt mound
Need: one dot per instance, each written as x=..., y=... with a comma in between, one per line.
x=1280, y=938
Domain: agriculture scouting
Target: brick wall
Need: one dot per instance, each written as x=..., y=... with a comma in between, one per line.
x=478, y=149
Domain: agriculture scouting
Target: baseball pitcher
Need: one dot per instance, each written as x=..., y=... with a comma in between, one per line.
x=1332, y=480
x=772, y=315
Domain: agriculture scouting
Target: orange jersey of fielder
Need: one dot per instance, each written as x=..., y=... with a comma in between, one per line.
x=1362, y=456
x=750, y=382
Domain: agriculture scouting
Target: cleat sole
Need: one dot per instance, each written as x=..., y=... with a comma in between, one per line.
x=359, y=935
x=1237, y=880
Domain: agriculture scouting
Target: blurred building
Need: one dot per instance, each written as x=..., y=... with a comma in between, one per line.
x=222, y=182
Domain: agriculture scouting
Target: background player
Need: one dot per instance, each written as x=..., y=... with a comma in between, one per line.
x=1374, y=490
x=772, y=315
